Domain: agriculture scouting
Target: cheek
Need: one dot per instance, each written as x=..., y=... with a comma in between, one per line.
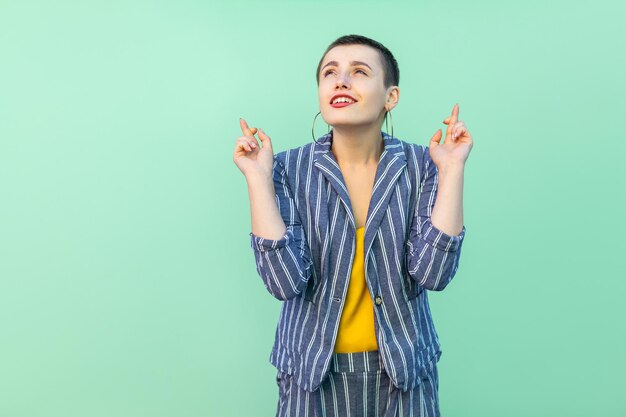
x=373, y=98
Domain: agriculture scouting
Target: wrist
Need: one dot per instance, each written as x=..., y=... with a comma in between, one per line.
x=451, y=168
x=259, y=181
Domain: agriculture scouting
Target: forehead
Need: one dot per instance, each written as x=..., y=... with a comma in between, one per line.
x=343, y=54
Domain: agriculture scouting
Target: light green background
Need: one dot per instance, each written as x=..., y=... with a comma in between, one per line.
x=127, y=280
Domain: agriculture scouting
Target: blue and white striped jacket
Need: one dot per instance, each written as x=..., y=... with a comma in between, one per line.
x=309, y=267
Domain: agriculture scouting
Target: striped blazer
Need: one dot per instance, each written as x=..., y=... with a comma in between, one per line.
x=308, y=268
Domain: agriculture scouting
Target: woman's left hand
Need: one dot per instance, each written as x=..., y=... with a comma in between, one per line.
x=457, y=145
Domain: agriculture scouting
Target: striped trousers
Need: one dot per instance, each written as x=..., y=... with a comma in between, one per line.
x=357, y=385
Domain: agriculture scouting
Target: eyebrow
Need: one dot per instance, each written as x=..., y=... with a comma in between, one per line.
x=351, y=63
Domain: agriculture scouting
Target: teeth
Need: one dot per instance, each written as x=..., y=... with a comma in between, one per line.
x=343, y=100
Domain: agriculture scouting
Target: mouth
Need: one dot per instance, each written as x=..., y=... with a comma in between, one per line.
x=340, y=105
x=342, y=101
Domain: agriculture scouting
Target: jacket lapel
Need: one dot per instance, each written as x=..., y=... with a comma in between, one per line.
x=392, y=162
x=326, y=162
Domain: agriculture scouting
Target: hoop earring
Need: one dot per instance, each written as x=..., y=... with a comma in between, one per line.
x=386, y=127
x=313, y=127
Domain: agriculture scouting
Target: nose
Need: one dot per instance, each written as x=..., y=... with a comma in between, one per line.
x=342, y=81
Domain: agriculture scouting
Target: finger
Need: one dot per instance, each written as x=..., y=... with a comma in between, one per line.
x=459, y=128
x=447, y=119
x=455, y=112
x=244, y=128
x=264, y=138
x=435, y=139
x=242, y=149
x=453, y=118
x=244, y=143
x=455, y=130
x=251, y=141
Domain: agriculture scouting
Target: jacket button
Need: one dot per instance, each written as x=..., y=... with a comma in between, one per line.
x=379, y=300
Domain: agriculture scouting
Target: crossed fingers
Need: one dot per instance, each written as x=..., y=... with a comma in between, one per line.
x=456, y=128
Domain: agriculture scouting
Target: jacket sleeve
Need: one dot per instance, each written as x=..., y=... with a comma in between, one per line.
x=284, y=264
x=432, y=255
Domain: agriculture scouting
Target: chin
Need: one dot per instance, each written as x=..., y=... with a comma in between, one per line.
x=347, y=122
x=340, y=124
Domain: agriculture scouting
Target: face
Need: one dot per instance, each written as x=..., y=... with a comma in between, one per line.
x=357, y=71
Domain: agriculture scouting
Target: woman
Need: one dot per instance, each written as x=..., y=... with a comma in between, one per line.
x=348, y=231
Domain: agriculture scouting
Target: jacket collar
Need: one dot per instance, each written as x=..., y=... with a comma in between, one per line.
x=390, y=166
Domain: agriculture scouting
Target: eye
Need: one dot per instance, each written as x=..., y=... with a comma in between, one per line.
x=329, y=71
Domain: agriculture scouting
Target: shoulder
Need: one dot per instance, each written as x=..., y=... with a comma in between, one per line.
x=418, y=160
x=415, y=152
x=295, y=159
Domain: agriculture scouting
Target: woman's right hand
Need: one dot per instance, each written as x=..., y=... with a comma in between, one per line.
x=252, y=161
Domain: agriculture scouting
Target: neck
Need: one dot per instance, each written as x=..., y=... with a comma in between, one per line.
x=357, y=147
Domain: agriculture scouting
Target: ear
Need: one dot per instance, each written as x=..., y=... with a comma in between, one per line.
x=393, y=96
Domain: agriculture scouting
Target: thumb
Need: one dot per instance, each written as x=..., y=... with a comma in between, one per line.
x=435, y=140
x=265, y=140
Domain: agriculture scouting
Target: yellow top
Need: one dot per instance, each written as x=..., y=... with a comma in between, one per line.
x=356, y=327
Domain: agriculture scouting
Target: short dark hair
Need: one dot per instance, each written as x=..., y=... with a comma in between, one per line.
x=390, y=65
